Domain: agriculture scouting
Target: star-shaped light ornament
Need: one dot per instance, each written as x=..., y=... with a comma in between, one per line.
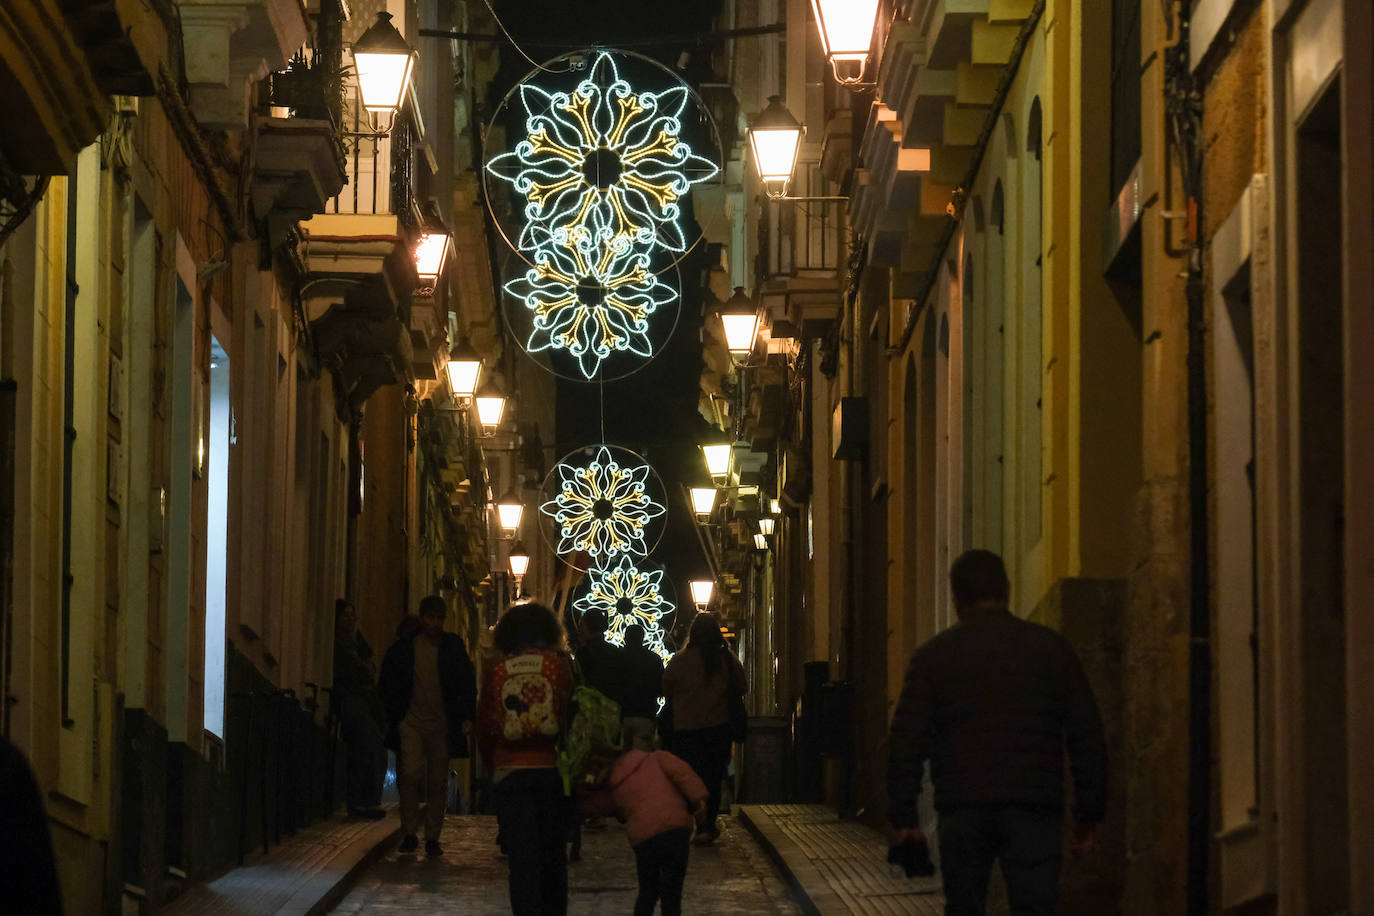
x=602, y=156
x=603, y=508
x=629, y=595
x=591, y=300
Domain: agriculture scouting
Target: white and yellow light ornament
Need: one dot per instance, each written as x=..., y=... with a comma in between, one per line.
x=603, y=508
x=629, y=594
x=602, y=154
x=592, y=301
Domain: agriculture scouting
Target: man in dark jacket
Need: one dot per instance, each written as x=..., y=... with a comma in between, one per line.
x=993, y=702
x=602, y=664
x=643, y=687
x=429, y=688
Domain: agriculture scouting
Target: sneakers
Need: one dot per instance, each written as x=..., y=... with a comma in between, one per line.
x=433, y=849
x=409, y=844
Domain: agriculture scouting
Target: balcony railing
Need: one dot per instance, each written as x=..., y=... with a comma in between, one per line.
x=803, y=236
x=379, y=164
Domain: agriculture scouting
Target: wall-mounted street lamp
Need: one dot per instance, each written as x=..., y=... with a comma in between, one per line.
x=384, y=62
x=491, y=405
x=774, y=507
x=519, y=560
x=509, y=511
x=717, y=456
x=775, y=138
x=702, y=589
x=464, y=368
x=431, y=250
x=716, y=450
x=760, y=542
x=740, y=319
x=703, y=501
x=846, y=31
x=766, y=525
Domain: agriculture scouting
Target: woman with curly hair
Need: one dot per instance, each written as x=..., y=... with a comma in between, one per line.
x=521, y=712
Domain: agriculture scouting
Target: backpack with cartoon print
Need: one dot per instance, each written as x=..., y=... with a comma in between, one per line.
x=526, y=708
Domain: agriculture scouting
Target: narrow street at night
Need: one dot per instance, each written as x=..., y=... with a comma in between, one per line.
x=893, y=457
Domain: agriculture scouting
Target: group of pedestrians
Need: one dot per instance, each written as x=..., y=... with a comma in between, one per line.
x=421, y=705
x=994, y=704
x=424, y=704
x=661, y=794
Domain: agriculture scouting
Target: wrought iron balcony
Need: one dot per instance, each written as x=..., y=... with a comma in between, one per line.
x=359, y=257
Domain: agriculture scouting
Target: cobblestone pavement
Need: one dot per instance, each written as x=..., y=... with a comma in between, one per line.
x=732, y=876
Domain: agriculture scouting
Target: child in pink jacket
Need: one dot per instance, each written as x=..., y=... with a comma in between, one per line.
x=656, y=795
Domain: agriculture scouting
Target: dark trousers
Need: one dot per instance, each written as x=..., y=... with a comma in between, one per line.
x=1024, y=840
x=532, y=814
x=662, y=865
x=707, y=751
x=364, y=749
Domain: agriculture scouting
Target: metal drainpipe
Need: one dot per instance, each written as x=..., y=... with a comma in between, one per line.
x=68, y=437
x=1183, y=105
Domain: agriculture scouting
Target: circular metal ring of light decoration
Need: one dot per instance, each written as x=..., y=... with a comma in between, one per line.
x=631, y=591
x=595, y=159
x=602, y=502
x=591, y=316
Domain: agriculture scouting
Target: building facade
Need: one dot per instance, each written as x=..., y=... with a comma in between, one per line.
x=1089, y=306
x=224, y=406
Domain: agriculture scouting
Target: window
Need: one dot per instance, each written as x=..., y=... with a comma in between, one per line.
x=217, y=538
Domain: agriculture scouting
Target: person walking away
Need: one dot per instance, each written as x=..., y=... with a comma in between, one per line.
x=521, y=714
x=602, y=665
x=698, y=681
x=993, y=702
x=429, y=688
x=643, y=687
x=358, y=707
x=657, y=795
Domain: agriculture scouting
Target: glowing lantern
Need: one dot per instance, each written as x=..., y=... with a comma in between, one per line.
x=775, y=137
x=384, y=63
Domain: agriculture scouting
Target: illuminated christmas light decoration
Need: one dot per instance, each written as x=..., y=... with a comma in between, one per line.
x=603, y=508
x=602, y=158
x=629, y=595
x=591, y=300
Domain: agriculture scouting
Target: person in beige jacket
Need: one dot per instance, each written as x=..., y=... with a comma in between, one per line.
x=698, y=682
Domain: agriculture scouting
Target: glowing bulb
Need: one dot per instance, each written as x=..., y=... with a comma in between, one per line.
x=717, y=459
x=702, y=589
x=703, y=501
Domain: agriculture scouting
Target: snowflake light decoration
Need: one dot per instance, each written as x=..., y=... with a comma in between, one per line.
x=602, y=156
x=591, y=301
x=629, y=595
x=602, y=508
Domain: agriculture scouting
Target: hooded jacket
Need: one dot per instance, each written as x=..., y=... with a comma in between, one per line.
x=653, y=791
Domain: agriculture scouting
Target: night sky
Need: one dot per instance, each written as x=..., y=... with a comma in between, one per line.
x=654, y=410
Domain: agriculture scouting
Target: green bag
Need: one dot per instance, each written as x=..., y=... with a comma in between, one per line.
x=592, y=739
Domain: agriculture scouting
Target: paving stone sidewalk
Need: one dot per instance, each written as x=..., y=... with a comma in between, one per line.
x=304, y=875
x=837, y=866
x=732, y=876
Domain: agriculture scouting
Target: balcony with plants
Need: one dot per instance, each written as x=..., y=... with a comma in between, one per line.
x=369, y=248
